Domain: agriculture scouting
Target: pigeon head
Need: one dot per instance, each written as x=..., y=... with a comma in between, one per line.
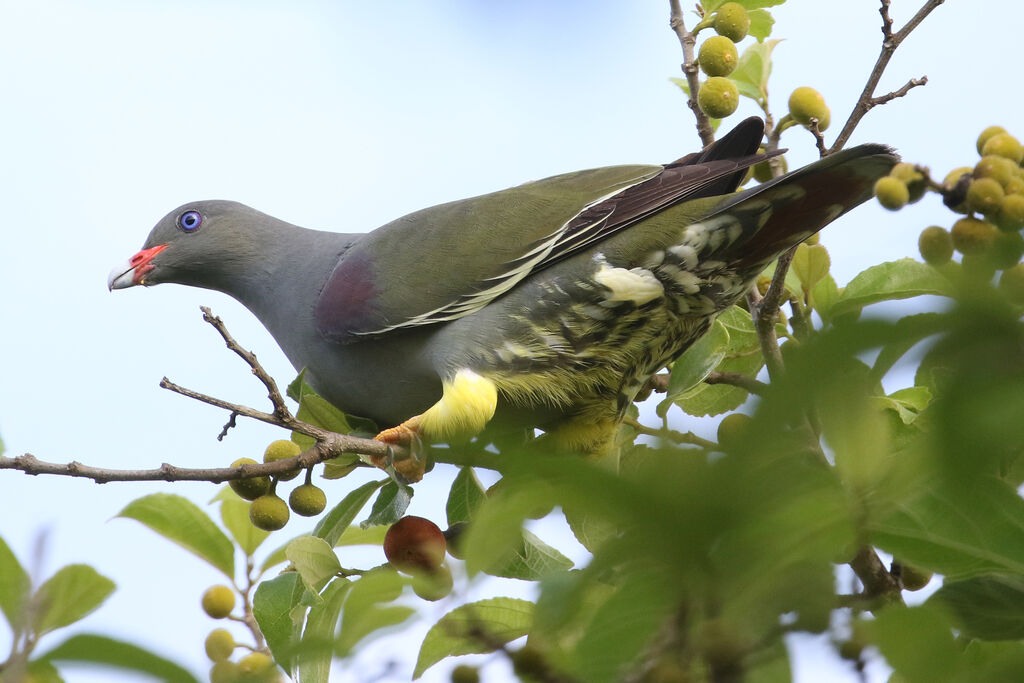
x=213, y=244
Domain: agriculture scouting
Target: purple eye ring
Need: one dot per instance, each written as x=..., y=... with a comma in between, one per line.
x=189, y=221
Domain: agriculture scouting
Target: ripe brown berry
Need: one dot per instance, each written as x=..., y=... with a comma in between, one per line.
x=218, y=601
x=307, y=500
x=1004, y=145
x=935, y=245
x=732, y=21
x=414, y=544
x=984, y=195
x=251, y=488
x=718, y=97
x=219, y=644
x=806, y=103
x=1011, y=283
x=972, y=236
x=988, y=133
x=282, y=449
x=717, y=56
x=892, y=193
x=268, y=512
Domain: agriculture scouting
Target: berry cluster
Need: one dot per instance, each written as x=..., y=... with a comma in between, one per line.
x=990, y=194
x=268, y=511
x=718, y=96
x=255, y=667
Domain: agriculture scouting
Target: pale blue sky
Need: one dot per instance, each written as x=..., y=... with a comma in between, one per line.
x=345, y=115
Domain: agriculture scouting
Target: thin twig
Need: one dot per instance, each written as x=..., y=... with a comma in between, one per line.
x=688, y=40
x=765, y=310
x=230, y=424
x=671, y=435
x=819, y=139
x=890, y=41
x=737, y=379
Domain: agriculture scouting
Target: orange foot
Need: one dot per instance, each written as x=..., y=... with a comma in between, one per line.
x=406, y=434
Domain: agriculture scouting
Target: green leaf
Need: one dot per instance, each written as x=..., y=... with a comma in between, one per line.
x=753, y=69
x=392, y=502
x=824, y=296
x=317, y=649
x=918, y=643
x=96, y=649
x=181, y=521
x=698, y=361
x=918, y=327
x=314, y=559
x=971, y=528
x=989, y=607
x=14, y=586
x=43, y=671
x=810, y=263
x=712, y=5
x=67, y=596
x=234, y=513
x=908, y=403
x=356, y=535
x=272, y=605
x=761, y=23
x=890, y=281
x=319, y=412
x=503, y=619
x=683, y=85
x=533, y=560
x=332, y=525
x=364, y=615
x=465, y=496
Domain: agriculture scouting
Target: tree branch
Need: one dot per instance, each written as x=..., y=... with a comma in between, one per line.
x=878, y=582
x=688, y=40
x=737, y=379
x=890, y=41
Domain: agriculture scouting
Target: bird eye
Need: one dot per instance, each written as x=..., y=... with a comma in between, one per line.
x=190, y=221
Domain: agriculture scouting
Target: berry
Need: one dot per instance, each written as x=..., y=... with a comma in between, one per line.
x=282, y=449
x=1012, y=283
x=718, y=97
x=763, y=170
x=825, y=120
x=1007, y=250
x=219, y=644
x=1011, y=213
x=807, y=103
x=528, y=662
x=988, y=133
x=255, y=663
x=453, y=538
x=984, y=195
x=1001, y=169
x=892, y=193
x=912, y=178
x=433, y=585
x=972, y=236
x=935, y=245
x=251, y=488
x=732, y=21
x=268, y=512
x=1004, y=145
x=733, y=430
x=717, y=56
x=218, y=601
x=307, y=500
x=224, y=672
x=465, y=674
x=414, y=544
x=914, y=579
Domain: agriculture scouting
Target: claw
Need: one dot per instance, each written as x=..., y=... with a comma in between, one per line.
x=405, y=434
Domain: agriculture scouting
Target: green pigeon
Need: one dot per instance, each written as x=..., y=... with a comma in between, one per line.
x=546, y=305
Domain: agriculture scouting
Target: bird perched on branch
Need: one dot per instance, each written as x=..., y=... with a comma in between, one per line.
x=549, y=304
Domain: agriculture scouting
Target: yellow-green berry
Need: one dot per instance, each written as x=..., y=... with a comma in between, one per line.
x=224, y=672
x=988, y=133
x=282, y=449
x=1004, y=145
x=1007, y=250
x=251, y=488
x=1000, y=169
x=892, y=193
x=914, y=579
x=824, y=120
x=973, y=236
x=912, y=178
x=806, y=103
x=984, y=195
x=733, y=430
x=1012, y=283
x=717, y=56
x=218, y=601
x=718, y=97
x=433, y=585
x=763, y=170
x=732, y=21
x=935, y=245
x=1011, y=213
x=268, y=512
x=255, y=663
x=464, y=673
x=307, y=500
x=219, y=644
